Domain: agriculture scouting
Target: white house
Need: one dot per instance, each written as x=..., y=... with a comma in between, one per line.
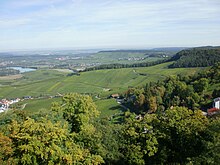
x=216, y=103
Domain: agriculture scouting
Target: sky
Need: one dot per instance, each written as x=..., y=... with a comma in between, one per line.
x=85, y=24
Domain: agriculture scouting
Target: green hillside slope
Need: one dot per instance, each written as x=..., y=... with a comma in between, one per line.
x=49, y=82
x=196, y=57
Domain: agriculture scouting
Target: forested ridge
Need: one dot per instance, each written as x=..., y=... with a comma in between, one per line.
x=193, y=57
x=118, y=66
x=196, y=57
x=164, y=126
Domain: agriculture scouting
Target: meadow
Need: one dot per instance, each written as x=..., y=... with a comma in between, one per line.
x=50, y=82
x=99, y=83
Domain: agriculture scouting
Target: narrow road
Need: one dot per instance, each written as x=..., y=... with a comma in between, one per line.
x=23, y=106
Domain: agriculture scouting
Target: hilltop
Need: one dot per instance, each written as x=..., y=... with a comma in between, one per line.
x=196, y=57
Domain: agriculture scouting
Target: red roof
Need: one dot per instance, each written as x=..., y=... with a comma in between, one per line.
x=213, y=110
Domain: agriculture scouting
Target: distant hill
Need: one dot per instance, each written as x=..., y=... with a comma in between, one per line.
x=196, y=57
x=124, y=50
x=162, y=49
x=173, y=49
x=155, y=52
x=4, y=54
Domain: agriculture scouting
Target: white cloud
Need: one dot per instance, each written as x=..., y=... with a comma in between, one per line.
x=112, y=22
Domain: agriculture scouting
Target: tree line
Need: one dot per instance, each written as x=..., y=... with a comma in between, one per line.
x=118, y=66
x=72, y=133
x=187, y=91
x=163, y=126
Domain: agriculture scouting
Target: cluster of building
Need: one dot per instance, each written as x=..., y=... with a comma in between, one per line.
x=63, y=58
x=5, y=63
x=132, y=58
x=4, y=104
x=216, y=107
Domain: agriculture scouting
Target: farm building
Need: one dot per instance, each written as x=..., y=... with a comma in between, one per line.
x=216, y=103
x=216, y=107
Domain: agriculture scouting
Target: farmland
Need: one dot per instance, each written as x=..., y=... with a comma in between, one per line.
x=100, y=83
x=49, y=82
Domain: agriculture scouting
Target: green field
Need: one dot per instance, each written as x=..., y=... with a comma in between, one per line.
x=38, y=104
x=108, y=107
x=101, y=83
x=51, y=82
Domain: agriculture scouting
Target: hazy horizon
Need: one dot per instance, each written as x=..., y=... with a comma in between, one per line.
x=110, y=24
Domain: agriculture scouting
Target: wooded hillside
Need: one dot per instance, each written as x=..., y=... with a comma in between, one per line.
x=196, y=57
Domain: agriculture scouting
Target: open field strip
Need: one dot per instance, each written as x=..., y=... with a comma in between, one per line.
x=54, y=86
x=11, y=77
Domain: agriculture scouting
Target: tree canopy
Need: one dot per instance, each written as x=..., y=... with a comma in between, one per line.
x=196, y=57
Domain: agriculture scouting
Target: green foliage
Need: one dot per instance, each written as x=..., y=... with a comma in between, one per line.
x=216, y=93
x=140, y=140
x=177, y=136
x=6, y=150
x=42, y=142
x=45, y=140
x=38, y=142
x=78, y=110
x=211, y=156
x=196, y=57
x=193, y=92
x=182, y=134
x=201, y=85
x=160, y=132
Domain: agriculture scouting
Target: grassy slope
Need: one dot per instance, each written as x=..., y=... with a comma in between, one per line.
x=46, y=82
x=108, y=107
x=39, y=104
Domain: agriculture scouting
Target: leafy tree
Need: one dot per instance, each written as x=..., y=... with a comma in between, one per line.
x=111, y=141
x=182, y=133
x=42, y=142
x=140, y=100
x=216, y=93
x=6, y=150
x=39, y=142
x=78, y=110
x=211, y=153
x=140, y=141
x=201, y=85
x=152, y=104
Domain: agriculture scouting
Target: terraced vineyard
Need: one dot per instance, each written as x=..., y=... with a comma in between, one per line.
x=99, y=84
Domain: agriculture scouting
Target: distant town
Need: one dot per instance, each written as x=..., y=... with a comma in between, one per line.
x=4, y=104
